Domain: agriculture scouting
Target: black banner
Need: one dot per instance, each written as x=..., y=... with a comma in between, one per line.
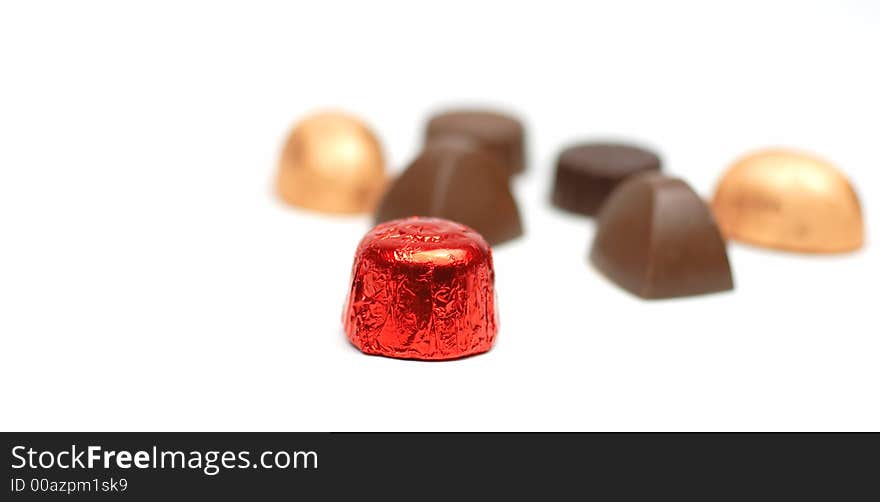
x=150, y=466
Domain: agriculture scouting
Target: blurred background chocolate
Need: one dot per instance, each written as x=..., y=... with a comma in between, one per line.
x=587, y=173
x=454, y=178
x=332, y=163
x=656, y=238
x=500, y=134
x=789, y=200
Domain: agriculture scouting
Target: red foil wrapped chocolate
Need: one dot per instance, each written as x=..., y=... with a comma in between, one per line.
x=422, y=288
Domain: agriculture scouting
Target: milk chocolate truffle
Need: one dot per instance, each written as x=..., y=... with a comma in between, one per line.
x=453, y=178
x=587, y=173
x=656, y=238
x=500, y=134
x=331, y=163
x=789, y=200
x=422, y=288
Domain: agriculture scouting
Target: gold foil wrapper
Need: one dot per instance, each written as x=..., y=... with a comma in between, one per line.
x=332, y=163
x=789, y=200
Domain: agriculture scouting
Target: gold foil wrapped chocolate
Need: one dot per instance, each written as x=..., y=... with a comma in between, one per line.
x=788, y=200
x=332, y=163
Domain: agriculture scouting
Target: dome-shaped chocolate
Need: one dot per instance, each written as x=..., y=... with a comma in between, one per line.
x=657, y=239
x=455, y=179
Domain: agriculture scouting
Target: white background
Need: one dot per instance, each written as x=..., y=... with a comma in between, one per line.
x=150, y=280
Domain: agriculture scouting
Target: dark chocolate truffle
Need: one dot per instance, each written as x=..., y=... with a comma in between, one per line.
x=587, y=173
x=459, y=181
x=500, y=134
x=657, y=239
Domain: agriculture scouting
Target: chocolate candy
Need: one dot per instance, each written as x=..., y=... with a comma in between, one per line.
x=331, y=163
x=789, y=200
x=455, y=179
x=500, y=134
x=422, y=288
x=657, y=239
x=587, y=173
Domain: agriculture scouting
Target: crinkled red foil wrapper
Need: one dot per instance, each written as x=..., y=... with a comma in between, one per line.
x=422, y=288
